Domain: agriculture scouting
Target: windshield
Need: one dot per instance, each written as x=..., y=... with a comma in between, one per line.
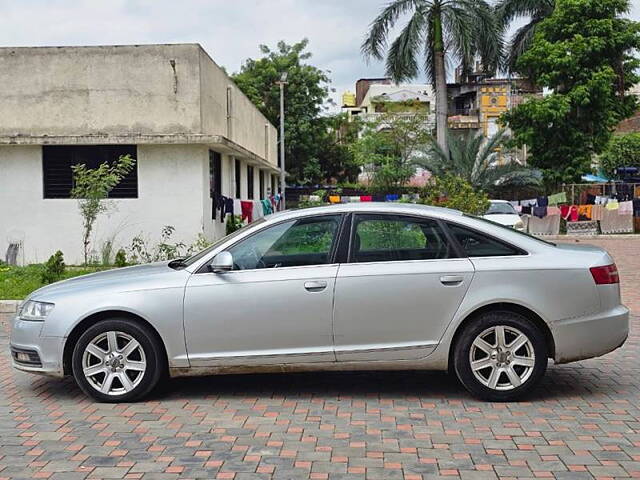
x=509, y=229
x=500, y=208
x=194, y=258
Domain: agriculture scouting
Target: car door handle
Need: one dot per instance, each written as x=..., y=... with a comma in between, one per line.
x=451, y=280
x=315, y=286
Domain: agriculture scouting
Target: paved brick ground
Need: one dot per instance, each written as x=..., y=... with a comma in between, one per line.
x=583, y=422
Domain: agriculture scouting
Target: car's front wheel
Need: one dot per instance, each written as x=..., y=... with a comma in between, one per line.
x=500, y=356
x=117, y=360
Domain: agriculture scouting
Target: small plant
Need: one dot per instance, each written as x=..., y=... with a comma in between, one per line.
x=234, y=222
x=141, y=252
x=200, y=244
x=105, y=253
x=53, y=268
x=454, y=192
x=91, y=186
x=120, y=259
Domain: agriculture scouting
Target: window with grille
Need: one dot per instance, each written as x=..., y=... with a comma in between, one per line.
x=57, y=161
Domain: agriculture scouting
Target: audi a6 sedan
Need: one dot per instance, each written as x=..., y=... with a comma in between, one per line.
x=345, y=287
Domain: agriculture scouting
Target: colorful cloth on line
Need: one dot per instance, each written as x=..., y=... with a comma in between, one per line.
x=247, y=211
x=557, y=198
x=267, y=209
x=612, y=204
x=392, y=197
x=334, y=198
x=626, y=208
x=366, y=198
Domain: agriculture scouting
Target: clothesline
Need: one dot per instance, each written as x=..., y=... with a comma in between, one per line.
x=248, y=209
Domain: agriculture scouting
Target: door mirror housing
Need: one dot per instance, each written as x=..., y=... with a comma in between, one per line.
x=222, y=262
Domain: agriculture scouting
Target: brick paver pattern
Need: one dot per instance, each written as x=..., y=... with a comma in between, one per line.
x=582, y=422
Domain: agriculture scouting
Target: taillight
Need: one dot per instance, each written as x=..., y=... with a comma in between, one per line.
x=605, y=275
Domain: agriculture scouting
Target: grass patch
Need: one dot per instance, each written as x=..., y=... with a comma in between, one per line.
x=18, y=282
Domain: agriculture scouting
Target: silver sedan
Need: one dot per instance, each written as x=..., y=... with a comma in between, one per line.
x=346, y=287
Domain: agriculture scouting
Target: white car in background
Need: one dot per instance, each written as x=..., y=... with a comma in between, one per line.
x=502, y=212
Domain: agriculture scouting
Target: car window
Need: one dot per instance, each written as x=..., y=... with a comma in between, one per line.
x=478, y=245
x=501, y=208
x=381, y=238
x=306, y=241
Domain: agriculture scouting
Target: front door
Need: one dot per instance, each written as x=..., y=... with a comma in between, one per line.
x=399, y=290
x=275, y=305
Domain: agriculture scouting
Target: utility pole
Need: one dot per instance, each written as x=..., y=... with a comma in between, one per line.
x=283, y=183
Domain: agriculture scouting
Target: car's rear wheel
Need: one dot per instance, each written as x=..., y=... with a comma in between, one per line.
x=117, y=360
x=500, y=356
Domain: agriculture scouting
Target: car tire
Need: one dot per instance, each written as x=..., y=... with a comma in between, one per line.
x=118, y=360
x=500, y=356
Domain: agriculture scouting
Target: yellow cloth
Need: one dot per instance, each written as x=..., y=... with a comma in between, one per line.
x=612, y=205
x=585, y=210
x=334, y=198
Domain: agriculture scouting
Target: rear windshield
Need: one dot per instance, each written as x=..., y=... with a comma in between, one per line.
x=501, y=208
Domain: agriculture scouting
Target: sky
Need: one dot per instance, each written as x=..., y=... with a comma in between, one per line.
x=229, y=30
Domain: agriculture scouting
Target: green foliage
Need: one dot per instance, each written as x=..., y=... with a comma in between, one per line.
x=121, y=258
x=305, y=94
x=451, y=191
x=389, y=149
x=91, y=187
x=621, y=151
x=18, y=282
x=475, y=159
x=234, y=222
x=143, y=251
x=53, y=268
x=534, y=12
x=390, y=235
x=583, y=52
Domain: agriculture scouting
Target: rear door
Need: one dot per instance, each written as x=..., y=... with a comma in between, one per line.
x=401, y=286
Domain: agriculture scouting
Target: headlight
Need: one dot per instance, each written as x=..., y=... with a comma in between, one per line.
x=519, y=225
x=35, y=311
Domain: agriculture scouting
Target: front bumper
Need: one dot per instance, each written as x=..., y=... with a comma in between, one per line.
x=591, y=336
x=25, y=337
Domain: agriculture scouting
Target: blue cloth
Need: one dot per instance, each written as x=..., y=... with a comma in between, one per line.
x=542, y=202
x=392, y=197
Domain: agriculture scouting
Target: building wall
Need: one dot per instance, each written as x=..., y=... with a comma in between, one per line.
x=172, y=186
x=102, y=89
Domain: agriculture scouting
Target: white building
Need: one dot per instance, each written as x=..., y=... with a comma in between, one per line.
x=192, y=131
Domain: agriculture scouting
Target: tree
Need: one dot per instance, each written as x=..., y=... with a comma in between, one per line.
x=452, y=191
x=390, y=148
x=461, y=29
x=535, y=11
x=335, y=157
x=305, y=94
x=583, y=53
x=621, y=151
x=475, y=160
x=91, y=187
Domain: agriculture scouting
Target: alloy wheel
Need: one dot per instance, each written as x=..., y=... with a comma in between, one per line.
x=114, y=363
x=502, y=357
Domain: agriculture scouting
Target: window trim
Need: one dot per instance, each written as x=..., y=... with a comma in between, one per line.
x=522, y=251
x=457, y=252
x=332, y=254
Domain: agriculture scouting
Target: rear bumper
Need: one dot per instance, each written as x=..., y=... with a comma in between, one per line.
x=25, y=338
x=591, y=336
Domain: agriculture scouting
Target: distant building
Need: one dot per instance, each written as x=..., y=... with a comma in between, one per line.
x=631, y=124
x=194, y=135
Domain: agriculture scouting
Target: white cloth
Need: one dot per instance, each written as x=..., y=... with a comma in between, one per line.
x=548, y=225
x=258, y=212
x=237, y=207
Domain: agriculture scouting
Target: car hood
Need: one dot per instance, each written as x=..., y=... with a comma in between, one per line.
x=123, y=279
x=503, y=219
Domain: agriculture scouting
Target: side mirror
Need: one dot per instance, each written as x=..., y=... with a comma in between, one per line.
x=222, y=262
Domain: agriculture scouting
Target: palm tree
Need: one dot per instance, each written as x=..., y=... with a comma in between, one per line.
x=461, y=29
x=474, y=158
x=509, y=10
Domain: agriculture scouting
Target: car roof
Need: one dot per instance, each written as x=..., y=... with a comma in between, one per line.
x=368, y=207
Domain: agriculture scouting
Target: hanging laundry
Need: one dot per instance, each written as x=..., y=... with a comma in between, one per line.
x=354, y=199
x=564, y=211
x=573, y=215
x=612, y=204
x=591, y=199
x=526, y=210
x=636, y=206
x=378, y=197
x=334, y=198
x=518, y=208
x=237, y=206
x=549, y=225
x=626, y=208
x=529, y=203
x=266, y=207
x=557, y=198
x=274, y=204
x=585, y=211
x=257, y=210
x=613, y=222
x=392, y=197
x=229, y=205
x=540, y=212
x=542, y=201
x=247, y=211
x=597, y=212
x=553, y=211
x=314, y=198
x=366, y=198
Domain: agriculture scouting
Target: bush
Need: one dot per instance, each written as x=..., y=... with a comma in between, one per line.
x=234, y=222
x=621, y=151
x=53, y=268
x=121, y=258
x=451, y=191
